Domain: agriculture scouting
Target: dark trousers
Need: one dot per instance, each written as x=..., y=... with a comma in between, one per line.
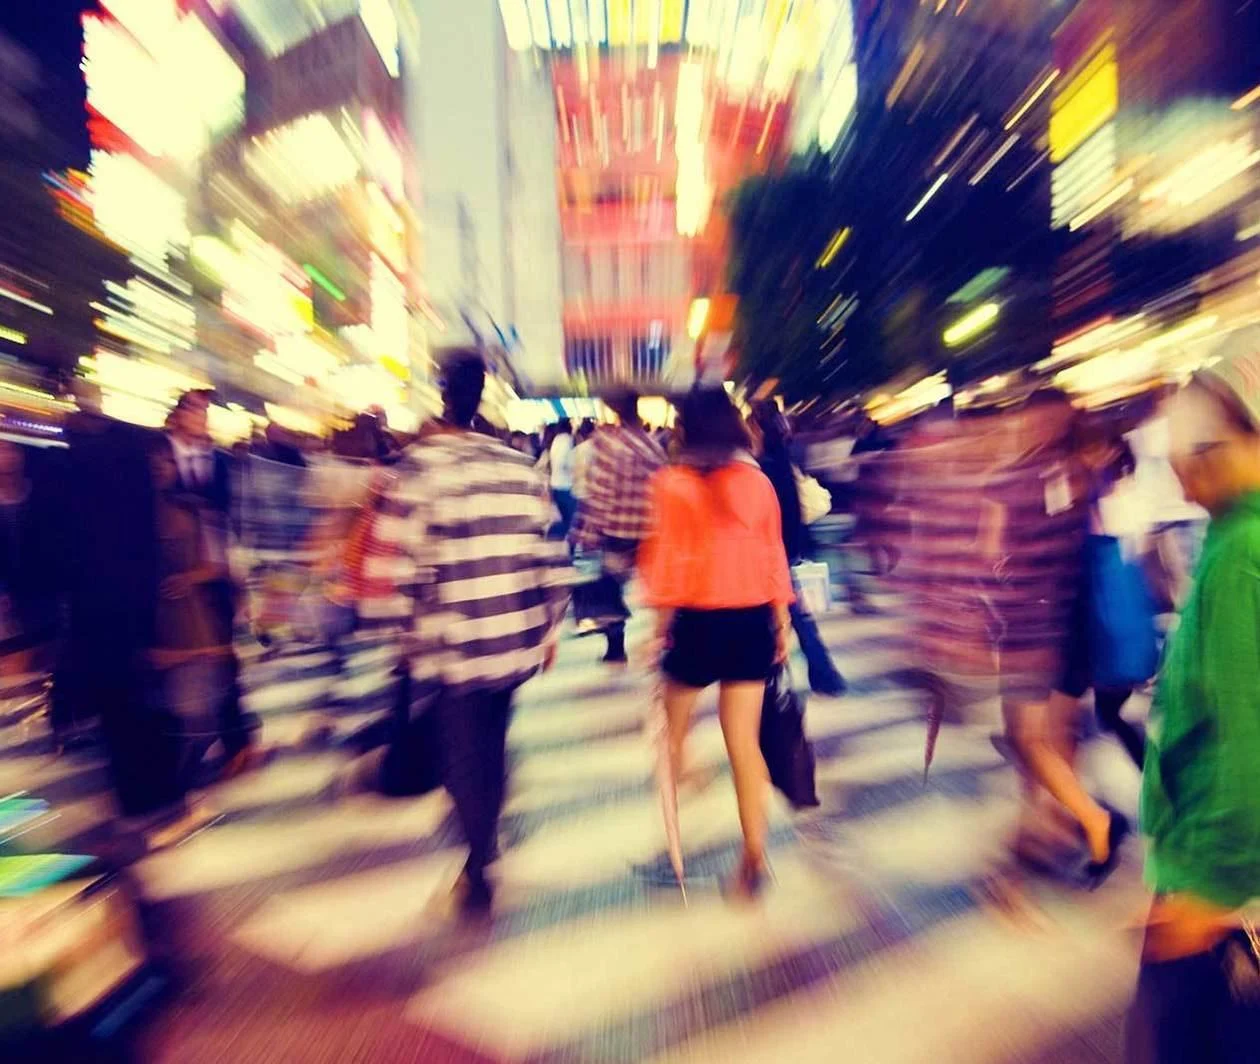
x=1108, y=702
x=236, y=727
x=473, y=728
x=1184, y=1013
x=142, y=755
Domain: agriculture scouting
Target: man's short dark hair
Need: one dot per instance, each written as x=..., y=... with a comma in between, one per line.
x=194, y=395
x=626, y=406
x=463, y=376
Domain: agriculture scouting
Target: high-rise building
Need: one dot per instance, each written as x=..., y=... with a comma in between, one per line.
x=660, y=110
x=481, y=118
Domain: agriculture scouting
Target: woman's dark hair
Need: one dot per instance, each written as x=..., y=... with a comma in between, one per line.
x=709, y=420
x=773, y=426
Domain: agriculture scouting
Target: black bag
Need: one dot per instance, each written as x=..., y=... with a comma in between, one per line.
x=789, y=755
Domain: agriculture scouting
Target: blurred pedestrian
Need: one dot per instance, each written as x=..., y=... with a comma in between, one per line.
x=1198, y=994
x=107, y=541
x=560, y=471
x=205, y=476
x=614, y=516
x=773, y=435
x=715, y=569
x=463, y=537
x=192, y=645
x=26, y=582
x=1116, y=539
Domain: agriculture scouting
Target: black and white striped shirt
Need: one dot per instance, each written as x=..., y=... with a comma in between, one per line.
x=462, y=536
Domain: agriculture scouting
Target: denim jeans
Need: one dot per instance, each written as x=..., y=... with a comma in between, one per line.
x=823, y=673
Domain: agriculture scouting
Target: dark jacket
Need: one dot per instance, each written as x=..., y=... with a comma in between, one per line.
x=777, y=466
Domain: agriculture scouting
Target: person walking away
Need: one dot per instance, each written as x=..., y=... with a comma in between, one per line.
x=26, y=584
x=1197, y=996
x=191, y=643
x=715, y=570
x=771, y=428
x=205, y=475
x=614, y=517
x=462, y=534
x=560, y=466
x=582, y=445
x=106, y=535
x=1116, y=524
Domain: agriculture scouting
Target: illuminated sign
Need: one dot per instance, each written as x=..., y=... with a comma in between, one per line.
x=1083, y=177
x=389, y=312
x=303, y=160
x=1091, y=99
x=135, y=208
x=265, y=289
x=386, y=229
x=170, y=86
x=378, y=19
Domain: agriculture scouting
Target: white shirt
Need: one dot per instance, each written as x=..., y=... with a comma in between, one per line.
x=581, y=459
x=562, y=463
x=196, y=465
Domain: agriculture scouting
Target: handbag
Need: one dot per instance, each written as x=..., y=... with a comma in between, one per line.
x=789, y=755
x=1124, y=644
x=815, y=499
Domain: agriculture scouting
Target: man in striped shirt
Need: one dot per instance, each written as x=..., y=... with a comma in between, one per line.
x=614, y=517
x=462, y=536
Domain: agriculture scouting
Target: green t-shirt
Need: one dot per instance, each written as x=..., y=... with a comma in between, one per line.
x=1201, y=785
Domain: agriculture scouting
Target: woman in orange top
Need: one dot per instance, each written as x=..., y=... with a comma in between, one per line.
x=715, y=569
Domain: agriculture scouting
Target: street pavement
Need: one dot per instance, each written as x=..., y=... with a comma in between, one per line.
x=312, y=925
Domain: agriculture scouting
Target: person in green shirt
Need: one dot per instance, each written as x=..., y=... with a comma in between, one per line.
x=1201, y=782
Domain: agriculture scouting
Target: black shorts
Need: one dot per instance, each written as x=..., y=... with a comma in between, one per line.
x=712, y=646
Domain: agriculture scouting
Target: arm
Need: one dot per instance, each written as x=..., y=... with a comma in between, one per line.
x=1206, y=761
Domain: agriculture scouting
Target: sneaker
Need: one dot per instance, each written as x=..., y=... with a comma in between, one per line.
x=473, y=899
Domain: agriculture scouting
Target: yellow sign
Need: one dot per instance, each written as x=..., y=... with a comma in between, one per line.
x=1086, y=104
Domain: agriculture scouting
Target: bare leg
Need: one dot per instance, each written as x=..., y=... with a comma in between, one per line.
x=680, y=703
x=1041, y=734
x=739, y=709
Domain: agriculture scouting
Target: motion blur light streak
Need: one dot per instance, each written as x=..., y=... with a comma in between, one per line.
x=17, y=297
x=954, y=141
x=697, y=318
x=914, y=213
x=833, y=248
x=1038, y=92
x=1105, y=203
x=994, y=159
x=971, y=324
x=320, y=279
x=1246, y=100
x=12, y=335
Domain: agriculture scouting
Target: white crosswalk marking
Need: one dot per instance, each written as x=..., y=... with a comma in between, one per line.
x=871, y=944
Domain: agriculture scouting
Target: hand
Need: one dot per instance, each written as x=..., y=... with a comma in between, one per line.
x=781, y=643
x=549, y=655
x=1181, y=925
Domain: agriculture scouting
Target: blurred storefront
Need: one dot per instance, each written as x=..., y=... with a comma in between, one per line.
x=258, y=176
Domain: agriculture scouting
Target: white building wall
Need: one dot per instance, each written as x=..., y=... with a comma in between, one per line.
x=535, y=222
x=482, y=121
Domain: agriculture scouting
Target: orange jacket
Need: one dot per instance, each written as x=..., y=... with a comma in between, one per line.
x=716, y=540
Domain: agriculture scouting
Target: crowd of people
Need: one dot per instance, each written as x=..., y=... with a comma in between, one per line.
x=1012, y=535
